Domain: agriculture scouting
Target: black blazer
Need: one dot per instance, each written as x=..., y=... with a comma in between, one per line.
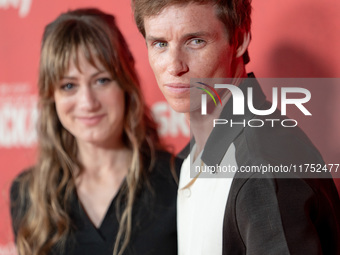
x=282, y=216
x=273, y=213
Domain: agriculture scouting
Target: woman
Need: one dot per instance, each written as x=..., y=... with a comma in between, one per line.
x=102, y=184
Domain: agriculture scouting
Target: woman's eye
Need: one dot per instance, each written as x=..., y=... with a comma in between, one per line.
x=67, y=86
x=103, y=80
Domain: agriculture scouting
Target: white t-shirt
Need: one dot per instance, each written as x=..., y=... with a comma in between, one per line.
x=200, y=208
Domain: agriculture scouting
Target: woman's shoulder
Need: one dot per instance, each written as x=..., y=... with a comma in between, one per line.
x=19, y=197
x=159, y=189
x=21, y=181
x=167, y=164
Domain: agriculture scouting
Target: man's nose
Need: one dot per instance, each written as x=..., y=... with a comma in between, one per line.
x=177, y=65
x=88, y=99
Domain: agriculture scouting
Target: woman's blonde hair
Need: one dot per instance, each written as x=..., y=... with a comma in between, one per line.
x=46, y=223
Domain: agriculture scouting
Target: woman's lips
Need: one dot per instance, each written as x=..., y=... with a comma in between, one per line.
x=91, y=120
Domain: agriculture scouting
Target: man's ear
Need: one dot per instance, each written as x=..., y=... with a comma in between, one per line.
x=243, y=43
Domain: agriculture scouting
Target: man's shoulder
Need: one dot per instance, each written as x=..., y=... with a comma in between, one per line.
x=277, y=145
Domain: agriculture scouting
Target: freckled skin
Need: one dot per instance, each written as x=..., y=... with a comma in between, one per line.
x=187, y=42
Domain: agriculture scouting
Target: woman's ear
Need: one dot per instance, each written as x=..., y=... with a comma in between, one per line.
x=243, y=43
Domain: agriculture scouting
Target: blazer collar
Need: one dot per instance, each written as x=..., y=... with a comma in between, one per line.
x=223, y=135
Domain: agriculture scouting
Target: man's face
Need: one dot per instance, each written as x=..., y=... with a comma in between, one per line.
x=187, y=42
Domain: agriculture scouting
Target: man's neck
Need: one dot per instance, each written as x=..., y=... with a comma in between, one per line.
x=201, y=126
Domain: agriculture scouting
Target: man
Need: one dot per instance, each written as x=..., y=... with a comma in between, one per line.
x=245, y=214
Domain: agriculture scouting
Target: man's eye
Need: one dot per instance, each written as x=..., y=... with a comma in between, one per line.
x=198, y=41
x=161, y=44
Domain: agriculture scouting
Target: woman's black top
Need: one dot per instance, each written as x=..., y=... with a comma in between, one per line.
x=153, y=226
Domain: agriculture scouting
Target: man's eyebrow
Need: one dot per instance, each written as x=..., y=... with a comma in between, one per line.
x=197, y=34
x=154, y=38
x=185, y=36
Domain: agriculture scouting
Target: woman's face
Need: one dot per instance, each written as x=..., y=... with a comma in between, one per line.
x=90, y=104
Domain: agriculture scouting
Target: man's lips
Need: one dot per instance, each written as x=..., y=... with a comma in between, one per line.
x=177, y=87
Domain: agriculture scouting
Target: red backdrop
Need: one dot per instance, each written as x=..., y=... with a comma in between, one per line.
x=290, y=39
